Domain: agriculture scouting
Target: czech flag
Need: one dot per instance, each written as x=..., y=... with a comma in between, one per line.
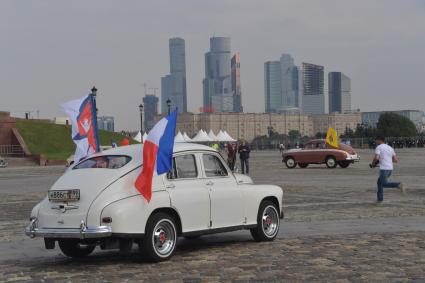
x=157, y=153
x=82, y=114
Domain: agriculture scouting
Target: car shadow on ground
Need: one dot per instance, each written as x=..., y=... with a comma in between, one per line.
x=185, y=248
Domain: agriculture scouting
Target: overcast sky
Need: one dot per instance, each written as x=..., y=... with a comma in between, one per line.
x=54, y=51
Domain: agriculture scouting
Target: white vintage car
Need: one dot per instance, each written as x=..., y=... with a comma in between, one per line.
x=95, y=203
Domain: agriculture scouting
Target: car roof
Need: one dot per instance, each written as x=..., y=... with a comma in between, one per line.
x=132, y=150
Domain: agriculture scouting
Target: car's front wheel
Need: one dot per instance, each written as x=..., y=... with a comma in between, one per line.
x=73, y=248
x=330, y=162
x=160, y=239
x=267, y=222
x=344, y=164
x=290, y=162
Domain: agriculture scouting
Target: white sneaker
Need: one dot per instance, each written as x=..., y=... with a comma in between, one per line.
x=402, y=188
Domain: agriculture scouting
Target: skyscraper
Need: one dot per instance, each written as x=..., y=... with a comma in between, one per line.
x=289, y=82
x=236, y=83
x=339, y=92
x=282, y=83
x=105, y=123
x=217, y=85
x=313, y=98
x=150, y=102
x=272, y=86
x=173, y=86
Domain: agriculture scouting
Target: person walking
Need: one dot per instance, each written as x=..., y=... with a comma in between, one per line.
x=385, y=156
x=281, y=147
x=244, y=151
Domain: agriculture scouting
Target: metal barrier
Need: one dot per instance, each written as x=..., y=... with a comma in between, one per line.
x=11, y=150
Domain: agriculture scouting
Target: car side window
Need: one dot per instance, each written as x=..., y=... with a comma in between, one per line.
x=213, y=166
x=184, y=166
x=309, y=146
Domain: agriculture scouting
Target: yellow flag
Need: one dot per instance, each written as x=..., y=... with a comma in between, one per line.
x=332, y=137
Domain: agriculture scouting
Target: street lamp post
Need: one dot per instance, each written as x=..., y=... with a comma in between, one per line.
x=94, y=94
x=169, y=105
x=141, y=118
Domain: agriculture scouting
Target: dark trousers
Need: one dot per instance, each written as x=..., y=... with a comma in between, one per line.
x=231, y=163
x=245, y=165
x=384, y=183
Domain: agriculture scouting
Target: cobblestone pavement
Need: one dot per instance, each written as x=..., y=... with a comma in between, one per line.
x=332, y=232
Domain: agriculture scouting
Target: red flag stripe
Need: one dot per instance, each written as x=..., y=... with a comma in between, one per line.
x=144, y=182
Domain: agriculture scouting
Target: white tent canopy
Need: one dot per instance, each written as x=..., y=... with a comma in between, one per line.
x=179, y=137
x=224, y=137
x=138, y=137
x=229, y=138
x=212, y=135
x=186, y=137
x=221, y=136
x=201, y=136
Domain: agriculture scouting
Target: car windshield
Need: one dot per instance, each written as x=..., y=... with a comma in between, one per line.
x=104, y=161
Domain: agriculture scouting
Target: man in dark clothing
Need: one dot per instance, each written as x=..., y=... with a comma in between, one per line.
x=244, y=151
x=231, y=155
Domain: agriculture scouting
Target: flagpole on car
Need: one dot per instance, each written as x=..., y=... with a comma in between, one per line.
x=94, y=94
x=141, y=119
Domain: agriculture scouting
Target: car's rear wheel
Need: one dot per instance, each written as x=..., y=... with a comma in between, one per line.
x=303, y=165
x=331, y=162
x=160, y=239
x=267, y=222
x=344, y=164
x=290, y=162
x=73, y=248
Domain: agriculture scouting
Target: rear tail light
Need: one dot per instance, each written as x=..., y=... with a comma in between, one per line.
x=107, y=219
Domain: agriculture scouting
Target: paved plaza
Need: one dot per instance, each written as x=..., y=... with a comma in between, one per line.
x=332, y=231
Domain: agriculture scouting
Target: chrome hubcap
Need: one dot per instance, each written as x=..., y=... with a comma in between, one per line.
x=270, y=221
x=290, y=162
x=331, y=162
x=164, y=237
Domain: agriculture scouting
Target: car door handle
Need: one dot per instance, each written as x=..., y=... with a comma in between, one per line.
x=209, y=183
x=170, y=186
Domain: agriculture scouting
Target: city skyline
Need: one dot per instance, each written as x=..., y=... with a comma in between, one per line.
x=117, y=48
x=339, y=93
x=313, y=95
x=173, y=86
x=218, y=94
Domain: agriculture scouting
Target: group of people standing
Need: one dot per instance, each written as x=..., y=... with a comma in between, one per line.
x=243, y=149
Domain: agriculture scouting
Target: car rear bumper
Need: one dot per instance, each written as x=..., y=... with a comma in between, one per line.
x=83, y=232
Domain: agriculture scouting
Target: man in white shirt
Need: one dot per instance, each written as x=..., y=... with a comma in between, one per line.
x=385, y=156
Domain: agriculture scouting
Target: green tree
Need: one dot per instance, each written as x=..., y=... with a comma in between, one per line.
x=294, y=135
x=395, y=125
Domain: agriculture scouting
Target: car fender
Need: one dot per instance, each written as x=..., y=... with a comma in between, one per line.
x=254, y=194
x=121, y=189
x=130, y=215
x=338, y=154
x=36, y=208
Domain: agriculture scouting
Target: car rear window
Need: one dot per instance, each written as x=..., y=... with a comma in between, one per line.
x=104, y=161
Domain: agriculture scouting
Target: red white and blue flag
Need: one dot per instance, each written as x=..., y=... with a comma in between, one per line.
x=157, y=153
x=82, y=114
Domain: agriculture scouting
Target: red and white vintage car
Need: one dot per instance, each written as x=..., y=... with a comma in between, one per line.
x=319, y=152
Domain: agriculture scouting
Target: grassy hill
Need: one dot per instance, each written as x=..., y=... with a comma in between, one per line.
x=54, y=141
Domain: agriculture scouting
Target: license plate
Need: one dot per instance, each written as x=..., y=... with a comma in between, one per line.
x=64, y=195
